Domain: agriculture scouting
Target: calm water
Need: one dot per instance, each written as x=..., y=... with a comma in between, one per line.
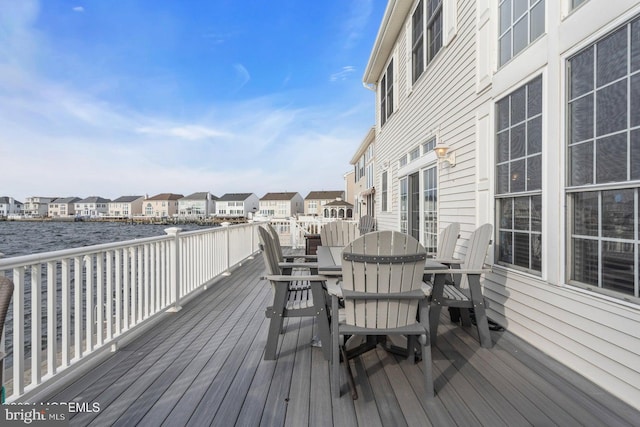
x=29, y=237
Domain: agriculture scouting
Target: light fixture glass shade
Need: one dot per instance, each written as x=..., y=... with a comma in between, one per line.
x=441, y=150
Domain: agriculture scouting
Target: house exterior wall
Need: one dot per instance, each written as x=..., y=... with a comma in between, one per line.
x=37, y=206
x=282, y=208
x=126, y=209
x=160, y=208
x=589, y=330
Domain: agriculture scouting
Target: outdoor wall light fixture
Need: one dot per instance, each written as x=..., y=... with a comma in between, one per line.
x=441, y=153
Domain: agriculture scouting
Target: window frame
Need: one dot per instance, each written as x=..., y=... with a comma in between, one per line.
x=516, y=197
x=387, y=93
x=508, y=31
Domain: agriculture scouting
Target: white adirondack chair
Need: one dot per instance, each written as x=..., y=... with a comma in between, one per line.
x=293, y=296
x=366, y=224
x=281, y=256
x=338, y=233
x=381, y=287
x=466, y=292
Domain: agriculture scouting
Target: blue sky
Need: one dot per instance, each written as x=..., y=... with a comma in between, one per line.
x=104, y=98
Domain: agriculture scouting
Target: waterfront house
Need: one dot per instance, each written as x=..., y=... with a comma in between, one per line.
x=237, y=205
x=125, y=207
x=281, y=205
x=63, y=207
x=315, y=201
x=36, y=206
x=92, y=207
x=163, y=205
x=10, y=206
x=363, y=162
x=197, y=205
x=533, y=108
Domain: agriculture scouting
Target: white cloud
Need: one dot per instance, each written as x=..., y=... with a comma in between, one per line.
x=242, y=75
x=343, y=74
x=188, y=132
x=78, y=9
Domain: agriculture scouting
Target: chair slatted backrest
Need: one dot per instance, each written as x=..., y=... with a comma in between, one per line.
x=398, y=269
x=477, y=248
x=447, y=241
x=338, y=233
x=267, y=245
x=366, y=224
x=276, y=240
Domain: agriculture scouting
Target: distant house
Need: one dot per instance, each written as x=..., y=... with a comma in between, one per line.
x=197, y=205
x=63, y=207
x=10, y=206
x=281, y=205
x=37, y=206
x=92, y=207
x=126, y=207
x=315, y=201
x=163, y=205
x=338, y=209
x=363, y=176
x=237, y=205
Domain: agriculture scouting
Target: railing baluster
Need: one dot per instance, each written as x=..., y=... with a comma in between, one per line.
x=66, y=312
x=77, y=313
x=36, y=323
x=89, y=309
x=18, y=331
x=100, y=299
x=109, y=295
x=52, y=318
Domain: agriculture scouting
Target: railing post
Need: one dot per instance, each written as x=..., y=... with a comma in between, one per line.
x=175, y=267
x=252, y=228
x=227, y=239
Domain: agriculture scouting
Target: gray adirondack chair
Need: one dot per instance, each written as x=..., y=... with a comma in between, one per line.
x=288, y=263
x=6, y=291
x=381, y=287
x=366, y=224
x=466, y=292
x=338, y=233
x=289, y=300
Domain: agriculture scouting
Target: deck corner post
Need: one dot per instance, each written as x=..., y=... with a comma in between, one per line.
x=175, y=267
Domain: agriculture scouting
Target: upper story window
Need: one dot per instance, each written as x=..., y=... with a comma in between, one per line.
x=417, y=40
x=434, y=28
x=521, y=22
x=519, y=177
x=603, y=150
x=414, y=154
x=403, y=160
x=386, y=94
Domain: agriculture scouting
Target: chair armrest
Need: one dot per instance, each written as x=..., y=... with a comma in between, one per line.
x=449, y=261
x=286, y=278
x=298, y=264
x=334, y=289
x=307, y=257
x=427, y=289
x=459, y=271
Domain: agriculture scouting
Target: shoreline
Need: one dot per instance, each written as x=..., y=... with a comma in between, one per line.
x=140, y=220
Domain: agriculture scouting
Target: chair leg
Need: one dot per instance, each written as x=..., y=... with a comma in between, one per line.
x=352, y=383
x=428, y=368
x=479, y=308
x=335, y=355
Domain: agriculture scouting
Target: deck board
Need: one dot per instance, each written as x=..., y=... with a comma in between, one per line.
x=204, y=366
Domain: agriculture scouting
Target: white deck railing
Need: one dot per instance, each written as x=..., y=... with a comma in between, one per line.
x=72, y=304
x=69, y=304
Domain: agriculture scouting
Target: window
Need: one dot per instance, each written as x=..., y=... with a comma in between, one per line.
x=404, y=205
x=403, y=160
x=385, y=191
x=428, y=146
x=434, y=28
x=414, y=154
x=521, y=22
x=386, y=94
x=519, y=177
x=417, y=40
x=603, y=170
x=576, y=3
x=430, y=196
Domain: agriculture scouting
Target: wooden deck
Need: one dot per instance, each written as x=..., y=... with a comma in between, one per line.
x=204, y=366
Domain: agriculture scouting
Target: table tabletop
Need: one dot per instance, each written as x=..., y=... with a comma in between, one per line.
x=330, y=261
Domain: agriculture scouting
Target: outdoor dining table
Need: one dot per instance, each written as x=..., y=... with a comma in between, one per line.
x=330, y=263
